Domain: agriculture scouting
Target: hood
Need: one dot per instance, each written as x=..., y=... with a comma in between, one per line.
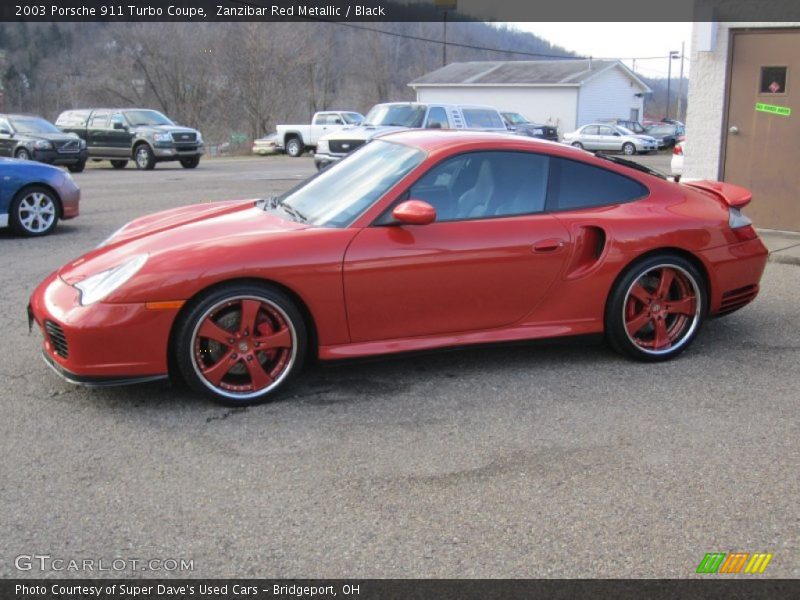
x=51, y=137
x=166, y=128
x=170, y=233
x=644, y=138
x=361, y=132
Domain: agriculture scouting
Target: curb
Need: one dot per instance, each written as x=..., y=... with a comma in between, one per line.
x=777, y=257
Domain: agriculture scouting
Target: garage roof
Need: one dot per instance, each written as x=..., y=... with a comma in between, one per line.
x=528, y=72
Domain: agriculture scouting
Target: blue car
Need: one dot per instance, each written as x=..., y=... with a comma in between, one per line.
x=34, y=196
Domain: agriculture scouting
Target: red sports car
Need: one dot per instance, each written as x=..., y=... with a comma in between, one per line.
x=418, y=240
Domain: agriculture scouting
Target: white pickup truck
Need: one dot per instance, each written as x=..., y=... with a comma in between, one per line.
x=296, y=139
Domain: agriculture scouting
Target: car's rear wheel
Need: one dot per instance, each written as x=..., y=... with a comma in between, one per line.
x=656, y=308
x=190, y=163
x=241, y=343
x=34, y=211
x=119, y=164
x=577, y=145
x=294, y=147
x=628, y=149
x=144, y=157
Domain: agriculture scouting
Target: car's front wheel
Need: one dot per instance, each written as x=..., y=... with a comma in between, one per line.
x=241, y=343
x=628, y=149
x=34, y=211
x=144, y=157
x=78, y=167
x=190, y=163
x=656, y=308
x=22, y=154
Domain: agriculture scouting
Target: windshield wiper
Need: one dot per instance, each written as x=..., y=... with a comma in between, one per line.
x=298, y=216
x=267, y=203
x=631, y=164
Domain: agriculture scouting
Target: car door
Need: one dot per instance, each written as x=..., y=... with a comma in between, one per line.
x=7, y=141
x=119, y=136
x=486, y=262
x=608, y=138
x=98, y=139
x=590, y=137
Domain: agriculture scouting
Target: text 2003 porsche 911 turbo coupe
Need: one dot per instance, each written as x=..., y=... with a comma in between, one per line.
x=418, y=240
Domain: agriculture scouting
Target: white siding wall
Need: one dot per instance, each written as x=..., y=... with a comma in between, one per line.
x=607, y=96
x=556, y=105
x=704, y=116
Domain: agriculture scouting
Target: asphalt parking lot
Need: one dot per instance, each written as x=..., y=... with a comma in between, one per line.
x=525, y=461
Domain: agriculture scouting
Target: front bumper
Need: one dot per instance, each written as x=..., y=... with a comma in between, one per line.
x=100, y=344
x=323, y=160
x=53, y=157
x=170, y=152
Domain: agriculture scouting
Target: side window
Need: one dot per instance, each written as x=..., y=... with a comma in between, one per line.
x=4, y=124
x=481, y=118
x=482, y=185
x=99, y=119
x=590, y=130
x=574, y=185
x=605, y=130
x=117, y=118
x=321, y=120
x=437, y=118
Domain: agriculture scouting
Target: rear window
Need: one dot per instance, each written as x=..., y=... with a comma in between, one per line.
x=481, y=118
x=73, y=118
x=575, y=185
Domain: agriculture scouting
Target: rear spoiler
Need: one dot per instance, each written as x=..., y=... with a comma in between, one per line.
x=733, y=195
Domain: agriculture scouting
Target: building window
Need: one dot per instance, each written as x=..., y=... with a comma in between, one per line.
x=773, y=80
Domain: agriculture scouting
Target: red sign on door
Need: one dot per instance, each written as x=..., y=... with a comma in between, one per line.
x=774, y=87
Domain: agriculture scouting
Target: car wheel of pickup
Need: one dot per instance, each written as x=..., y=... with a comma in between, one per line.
x=144, y=157
x=190, y=163
x=119, y=164
x=294, y=147
x=240, y=343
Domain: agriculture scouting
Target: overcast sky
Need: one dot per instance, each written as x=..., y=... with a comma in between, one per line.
x=620, y=40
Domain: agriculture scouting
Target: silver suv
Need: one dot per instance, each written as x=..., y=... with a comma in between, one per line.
x=394, y=116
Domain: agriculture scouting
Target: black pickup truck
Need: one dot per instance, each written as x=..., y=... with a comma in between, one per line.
x=142, y=135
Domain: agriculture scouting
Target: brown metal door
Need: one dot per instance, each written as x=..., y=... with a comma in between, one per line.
x=762, y=141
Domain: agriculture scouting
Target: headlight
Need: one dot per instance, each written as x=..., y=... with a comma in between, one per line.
x=199, y=138
x=42, y=145
x=163, y=137
x=82, y=144
x=97, y=287
x=323, y=147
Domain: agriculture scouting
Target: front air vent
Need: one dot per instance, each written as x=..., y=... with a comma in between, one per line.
x=57, y=338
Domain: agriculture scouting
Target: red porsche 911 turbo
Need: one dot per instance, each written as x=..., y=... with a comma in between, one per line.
x=418, y=240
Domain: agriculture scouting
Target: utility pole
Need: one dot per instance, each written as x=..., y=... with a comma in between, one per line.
x=681, y=110
x=673, y=54
x=445, y=5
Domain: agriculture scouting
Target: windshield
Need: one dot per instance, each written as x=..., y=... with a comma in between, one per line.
x=343, y=191
x=660, y=130
x=352, y=118
x=395, y=115
x=32, y=125
x=515, y=118
x=625, y=130
x=140, y=118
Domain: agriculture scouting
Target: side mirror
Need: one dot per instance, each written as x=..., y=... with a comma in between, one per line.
x=617, y=134
x=435, y=125
x=414, y=212
x=338, y=122
x=118, y=125
x=4, y=131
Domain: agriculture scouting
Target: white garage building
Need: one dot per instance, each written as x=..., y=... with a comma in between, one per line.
x=565, y=93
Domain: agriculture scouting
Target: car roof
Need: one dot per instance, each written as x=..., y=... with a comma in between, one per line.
x=434, y=140
x=442, y=104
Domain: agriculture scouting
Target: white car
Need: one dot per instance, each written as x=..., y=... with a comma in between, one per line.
x=677, y=161
x=599, y=136
x=266, y=145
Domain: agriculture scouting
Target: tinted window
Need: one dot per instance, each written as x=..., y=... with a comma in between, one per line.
x=437, y=118
x=482, y=185
x=481, y=118
x=575, y=184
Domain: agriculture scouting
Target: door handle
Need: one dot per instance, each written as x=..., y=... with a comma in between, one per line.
x=551, y=245
x=734, y=129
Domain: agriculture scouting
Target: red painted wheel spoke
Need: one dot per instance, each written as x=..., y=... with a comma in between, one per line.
x=219, y=369
x=634, y=324
x=258, y=377
x=661, y=339
x=212, y=331
x=667, y=276
x=249, y=314
x=639, y=292
x=684, y=306
x=279, y=339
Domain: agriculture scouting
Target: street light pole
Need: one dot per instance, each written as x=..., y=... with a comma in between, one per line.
x=680, y=116
x=672, y=55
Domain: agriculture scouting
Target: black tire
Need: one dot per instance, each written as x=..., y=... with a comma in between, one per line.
x=119, y=164
x=77, y=167
x=294, y=147
x=235, y=361
x=577, y=145
x=144, y=158
x=22, y=154
x=628, y=149
x=34, y=211
x=651, y=317
x=190, y=163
